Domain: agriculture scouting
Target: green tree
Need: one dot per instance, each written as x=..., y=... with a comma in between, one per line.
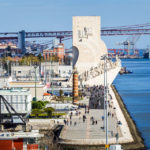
x=61, y=92
x=49, y=111
x=40, y=57
x=37, y=105
x=8, y=51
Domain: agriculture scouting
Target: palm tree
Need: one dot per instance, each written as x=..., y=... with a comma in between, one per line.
x=40, y=57
x=8, y=51
x=61, y=97
x=49, y=111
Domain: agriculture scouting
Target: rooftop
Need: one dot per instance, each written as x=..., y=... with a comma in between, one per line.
x=20, y=134
x=14, y=91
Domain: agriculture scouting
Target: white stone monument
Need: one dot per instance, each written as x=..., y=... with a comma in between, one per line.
x=87, y=44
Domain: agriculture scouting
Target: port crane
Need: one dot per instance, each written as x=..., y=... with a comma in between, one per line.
x=129, y=44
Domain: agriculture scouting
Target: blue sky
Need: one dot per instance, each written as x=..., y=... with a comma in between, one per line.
x=51, y=15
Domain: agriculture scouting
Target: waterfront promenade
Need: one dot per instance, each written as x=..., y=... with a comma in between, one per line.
x=87, y=133
x=81, y=132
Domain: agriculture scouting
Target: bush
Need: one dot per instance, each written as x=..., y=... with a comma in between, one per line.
x=36, y=112
x=59, y=114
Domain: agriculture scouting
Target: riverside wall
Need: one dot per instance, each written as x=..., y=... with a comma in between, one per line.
x=138, y=143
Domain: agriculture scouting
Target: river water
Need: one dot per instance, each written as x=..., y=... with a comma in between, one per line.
x=135, y=91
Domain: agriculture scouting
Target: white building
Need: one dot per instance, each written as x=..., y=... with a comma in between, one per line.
x=52, y=71
x=49, y=70
x=25, y=73
x=40, y=88
x=65, y=71
x=19, y=99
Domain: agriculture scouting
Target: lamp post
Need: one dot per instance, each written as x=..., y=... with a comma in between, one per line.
x=35, y=82
x=104, y=93
x=51, y=79
x=106, y=101
x=105, y=58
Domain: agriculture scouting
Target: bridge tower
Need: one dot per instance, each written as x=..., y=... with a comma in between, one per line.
x=21, y=41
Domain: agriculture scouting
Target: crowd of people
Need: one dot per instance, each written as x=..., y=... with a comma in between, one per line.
x=96, y=100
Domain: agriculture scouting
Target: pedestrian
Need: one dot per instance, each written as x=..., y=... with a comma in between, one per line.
x=112, y=115
x=102, y=118
x=76, y=113
x=96, y=121
x=67, y=122
x=71, y=113
x=70, y=117
x=112, y=134
x=75, y=123
x=64, y=121
x=70, y=122
x=84, y=117
x=117, y=137
x=93, y=122
x=108, y=114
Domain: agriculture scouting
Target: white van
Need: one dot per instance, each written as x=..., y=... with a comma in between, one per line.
x=115, y=147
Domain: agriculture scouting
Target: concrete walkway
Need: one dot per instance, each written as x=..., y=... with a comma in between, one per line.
x=85, y=130
x=86, y=133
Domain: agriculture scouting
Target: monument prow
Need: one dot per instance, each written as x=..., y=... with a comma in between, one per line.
x=87, y=44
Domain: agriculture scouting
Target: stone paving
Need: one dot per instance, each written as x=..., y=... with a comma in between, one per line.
x=86, y=130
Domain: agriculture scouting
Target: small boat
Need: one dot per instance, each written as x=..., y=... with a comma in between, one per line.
x=124, y=71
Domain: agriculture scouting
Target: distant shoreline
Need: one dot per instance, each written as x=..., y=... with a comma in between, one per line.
x=138, y=143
